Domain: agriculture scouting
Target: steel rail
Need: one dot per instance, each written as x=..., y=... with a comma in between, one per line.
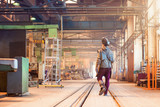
x=69, y=95
x=87, y=95
x=115, y=99
x=81, y=95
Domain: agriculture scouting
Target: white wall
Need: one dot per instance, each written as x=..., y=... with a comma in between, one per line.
x=137, y=53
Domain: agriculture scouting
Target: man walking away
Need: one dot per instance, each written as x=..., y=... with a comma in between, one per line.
x=103, y=66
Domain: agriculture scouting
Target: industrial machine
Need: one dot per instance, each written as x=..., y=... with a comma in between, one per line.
x=8, y=64
x=14, y=75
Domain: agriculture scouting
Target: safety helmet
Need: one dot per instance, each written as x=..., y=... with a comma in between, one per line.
x=105, y=41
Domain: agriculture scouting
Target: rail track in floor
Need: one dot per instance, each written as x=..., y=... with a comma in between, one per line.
x=79, y=96
x=114, y=98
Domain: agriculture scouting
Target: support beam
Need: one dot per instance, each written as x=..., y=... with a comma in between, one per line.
x=93, y=25
x=131, y=40
x=9, y=19
x=76, y=11
x=138, y=3
x=88, y=31
x=28, y=27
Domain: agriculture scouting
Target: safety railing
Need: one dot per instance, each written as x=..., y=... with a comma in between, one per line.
x=153, y=67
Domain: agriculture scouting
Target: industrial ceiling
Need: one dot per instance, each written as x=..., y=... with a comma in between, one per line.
x=85, y=22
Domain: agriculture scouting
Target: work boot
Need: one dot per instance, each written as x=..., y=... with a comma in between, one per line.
x=102, y=90
x=105, y=94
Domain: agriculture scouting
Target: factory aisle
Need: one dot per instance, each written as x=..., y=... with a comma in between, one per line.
x=126, y=94
x=94, y=100
x=130, y=95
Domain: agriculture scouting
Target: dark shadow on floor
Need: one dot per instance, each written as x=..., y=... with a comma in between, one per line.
x=10, y=100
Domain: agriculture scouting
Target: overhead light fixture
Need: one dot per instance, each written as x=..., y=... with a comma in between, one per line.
x=33, y=18
x=16, y=4
x=71, y=1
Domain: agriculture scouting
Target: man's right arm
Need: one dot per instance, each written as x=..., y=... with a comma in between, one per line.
x=98, y=62
x=110, y=56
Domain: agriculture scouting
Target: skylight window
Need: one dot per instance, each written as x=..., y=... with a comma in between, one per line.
x=10, y=1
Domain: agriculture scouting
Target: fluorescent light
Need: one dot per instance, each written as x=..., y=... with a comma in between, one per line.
x=16, y=4
x=71, y=1
x=33, y=18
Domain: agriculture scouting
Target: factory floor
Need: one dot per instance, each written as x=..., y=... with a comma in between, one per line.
x=124, y=94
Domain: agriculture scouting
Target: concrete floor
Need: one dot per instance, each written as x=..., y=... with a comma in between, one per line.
x=127, y=94
x=130, y=95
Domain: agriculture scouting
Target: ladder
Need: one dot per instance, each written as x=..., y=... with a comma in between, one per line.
x=52, y=61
